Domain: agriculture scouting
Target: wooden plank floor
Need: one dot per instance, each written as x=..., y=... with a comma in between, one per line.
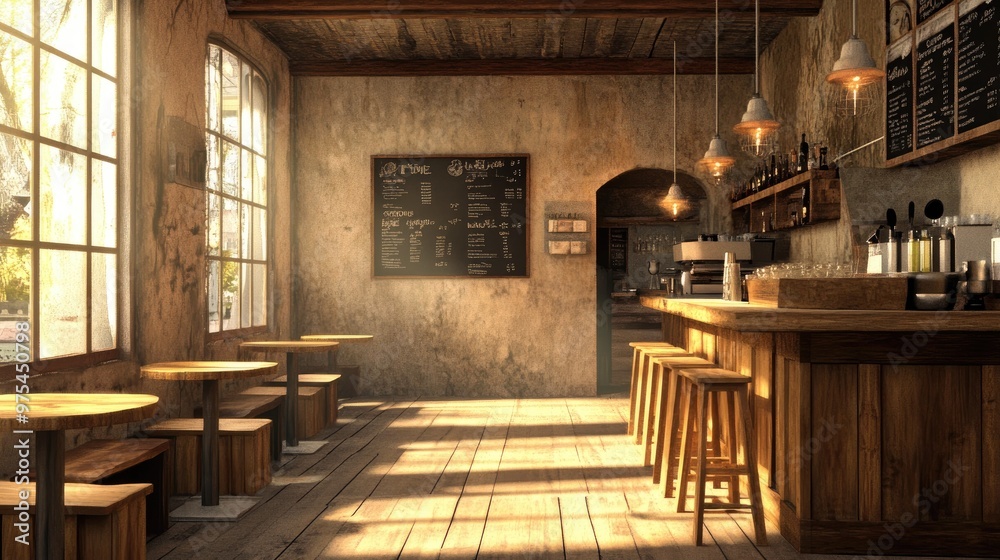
x=529, y=478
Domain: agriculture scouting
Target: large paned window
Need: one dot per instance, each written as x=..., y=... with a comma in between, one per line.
x=59, y=179
x=237, y=187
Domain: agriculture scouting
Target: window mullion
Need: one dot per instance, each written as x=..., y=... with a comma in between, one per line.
x=88, y=185
x=36, y=129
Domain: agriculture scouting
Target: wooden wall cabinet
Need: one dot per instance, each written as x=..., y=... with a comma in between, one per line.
x=771, y=209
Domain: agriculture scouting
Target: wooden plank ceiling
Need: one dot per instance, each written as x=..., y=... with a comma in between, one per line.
x=445, y=37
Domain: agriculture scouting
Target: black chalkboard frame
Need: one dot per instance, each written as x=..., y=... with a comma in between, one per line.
x=418, y=157
x=960, y=142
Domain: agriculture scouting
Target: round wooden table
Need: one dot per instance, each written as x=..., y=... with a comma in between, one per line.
x=291, y=348
x=209, y=373
x=49, y=415
x=331, y=360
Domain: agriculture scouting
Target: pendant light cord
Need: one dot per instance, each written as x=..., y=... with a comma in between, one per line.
x=756, y=49
x=675, y=112
x=854, y=18
x=716, y=68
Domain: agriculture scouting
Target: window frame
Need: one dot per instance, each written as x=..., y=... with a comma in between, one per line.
x=222, y=333
x=121, y=160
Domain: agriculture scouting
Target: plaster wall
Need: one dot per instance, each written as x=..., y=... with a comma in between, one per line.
x=164, y=228
x=793, y=73
x=478, y=337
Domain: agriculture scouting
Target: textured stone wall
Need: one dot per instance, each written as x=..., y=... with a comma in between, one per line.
x=478, y=337
x=167, y=224
x=793, y=71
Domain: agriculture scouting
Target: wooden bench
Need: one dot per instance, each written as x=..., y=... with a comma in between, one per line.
x=103, y=522
x=270, y=407
x=326, y=381
x=244, y=454
x=124, y=461
x=312, y=407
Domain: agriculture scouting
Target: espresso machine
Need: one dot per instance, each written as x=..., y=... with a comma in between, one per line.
x=703, y=262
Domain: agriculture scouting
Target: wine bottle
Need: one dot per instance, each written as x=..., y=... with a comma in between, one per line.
x=804, y=216
x=803, y=155
x=822, y=158
x=774, y=171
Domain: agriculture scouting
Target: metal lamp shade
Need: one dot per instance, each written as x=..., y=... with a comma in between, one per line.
x=675, y=204
x=717, y=160
x=855, y=67
x=758, y=128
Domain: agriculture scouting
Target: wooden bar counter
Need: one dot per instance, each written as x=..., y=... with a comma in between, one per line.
x=878, y=432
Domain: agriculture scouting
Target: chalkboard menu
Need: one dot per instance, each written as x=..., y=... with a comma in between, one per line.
x=927, y=8
x=935, y=79
x=899, y=99
x=618, y=249
x=954, y=75
x=459, y=216
x=978, y=61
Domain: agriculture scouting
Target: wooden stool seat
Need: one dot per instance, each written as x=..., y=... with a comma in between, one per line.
x=699, y=383
x=327, y=381
x=102, y=521
x=244, y=454
x=639, y=389
x=132, y=460
x=312, y=407
x=267, y=407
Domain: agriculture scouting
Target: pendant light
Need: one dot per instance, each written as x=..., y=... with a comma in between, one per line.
x=717, y=161
x=675, y=203
x=854, y=73
x=758, y=128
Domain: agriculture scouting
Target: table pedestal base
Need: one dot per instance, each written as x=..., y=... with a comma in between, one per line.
x=303, y=448
x=230, y=508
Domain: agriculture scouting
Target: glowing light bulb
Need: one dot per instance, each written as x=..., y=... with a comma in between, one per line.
x=675, y=208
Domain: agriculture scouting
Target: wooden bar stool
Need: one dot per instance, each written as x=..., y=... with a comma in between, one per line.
x=700, y=383
x=640, y=392
x=661, y=442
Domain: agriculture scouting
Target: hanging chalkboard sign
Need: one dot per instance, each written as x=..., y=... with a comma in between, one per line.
x=927, y=8
x=978, y=61
x=899, y=98
x=935, y=79
x=458, y=216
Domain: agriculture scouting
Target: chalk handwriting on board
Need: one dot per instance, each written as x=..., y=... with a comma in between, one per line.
x=450, y=216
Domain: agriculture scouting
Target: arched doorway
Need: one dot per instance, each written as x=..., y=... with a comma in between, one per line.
x=634, y=227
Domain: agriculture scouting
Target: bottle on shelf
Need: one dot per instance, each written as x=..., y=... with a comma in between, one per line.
x=822, y=158
x=804, y=215
x=813, y=158
x=803, y=155
x=774, y=170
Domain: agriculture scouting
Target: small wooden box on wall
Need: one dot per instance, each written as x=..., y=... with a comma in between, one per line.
x=184, y=158
x=567, y=227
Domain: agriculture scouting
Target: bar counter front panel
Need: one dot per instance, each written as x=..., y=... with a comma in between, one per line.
x=878, y=432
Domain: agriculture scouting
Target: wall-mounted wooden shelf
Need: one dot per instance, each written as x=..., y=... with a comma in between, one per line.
x=758, y=208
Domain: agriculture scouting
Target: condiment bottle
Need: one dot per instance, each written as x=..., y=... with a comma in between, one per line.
x=910, y=258
x=890, y=254
x=945, y=258
x=926, y=252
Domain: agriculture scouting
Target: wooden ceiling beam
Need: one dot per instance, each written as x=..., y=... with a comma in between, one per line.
x=522, y=67
x=334, y=9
